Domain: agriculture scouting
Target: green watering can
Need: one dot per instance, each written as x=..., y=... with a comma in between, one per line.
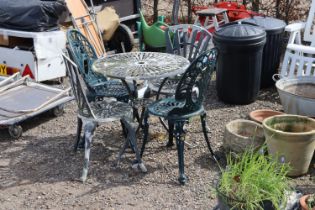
x=153, y=36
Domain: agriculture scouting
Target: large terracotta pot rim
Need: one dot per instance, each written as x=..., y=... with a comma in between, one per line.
x=303, y=202
x=259, y=114
x=311, y=132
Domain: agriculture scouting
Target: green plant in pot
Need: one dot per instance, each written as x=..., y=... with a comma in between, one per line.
x=253, y=181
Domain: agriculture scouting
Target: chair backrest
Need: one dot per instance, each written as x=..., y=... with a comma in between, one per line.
x=194, y=82
x=83, y=55
x=297, y=63
x=78, y=87
x=309, y=32
x=187, y=40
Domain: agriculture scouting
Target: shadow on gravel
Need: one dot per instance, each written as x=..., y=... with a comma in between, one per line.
x=213, y=102
x=206, y=161
x=27, y=124
x=52, y=160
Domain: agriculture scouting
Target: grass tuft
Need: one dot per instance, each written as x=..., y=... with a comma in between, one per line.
x=252, y=178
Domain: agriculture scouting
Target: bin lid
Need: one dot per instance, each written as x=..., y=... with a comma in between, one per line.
x=268, y=23
x=239, y=33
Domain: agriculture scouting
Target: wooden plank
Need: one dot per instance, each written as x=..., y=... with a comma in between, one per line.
x=4, y=40
x=83, y=22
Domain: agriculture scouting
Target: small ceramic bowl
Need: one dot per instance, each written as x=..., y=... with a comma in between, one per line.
x=260, y=114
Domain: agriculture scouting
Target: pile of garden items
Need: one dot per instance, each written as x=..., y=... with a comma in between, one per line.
x=261, y=159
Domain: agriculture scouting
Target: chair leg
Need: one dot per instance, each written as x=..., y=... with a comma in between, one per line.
x=179, y=132
x=78, y=137
x=163, y=124
x=89, y=129
x=205, y=133
x=145, y=132
x=170, y=142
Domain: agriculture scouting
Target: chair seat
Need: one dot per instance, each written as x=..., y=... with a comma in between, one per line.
x=142, y=102
x=112, y=88
x=108, y=110
x=169, y=87
x=165, y=107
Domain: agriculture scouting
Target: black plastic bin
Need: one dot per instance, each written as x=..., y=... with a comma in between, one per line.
x=272, y=50
x=240, y=48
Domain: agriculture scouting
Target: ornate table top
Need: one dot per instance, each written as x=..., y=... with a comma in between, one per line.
x=140, y=65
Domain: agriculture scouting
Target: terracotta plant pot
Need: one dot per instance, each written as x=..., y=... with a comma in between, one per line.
x=242, y=134
x=304, y=204
x=291, y=139
x=260, y=114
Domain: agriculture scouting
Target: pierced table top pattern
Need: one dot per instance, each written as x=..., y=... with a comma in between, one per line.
x=140, y=65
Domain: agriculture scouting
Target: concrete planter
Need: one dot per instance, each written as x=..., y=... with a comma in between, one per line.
x=243, y=134
x=292, y=139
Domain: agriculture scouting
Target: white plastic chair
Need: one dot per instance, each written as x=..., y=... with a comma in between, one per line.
x=299, y=59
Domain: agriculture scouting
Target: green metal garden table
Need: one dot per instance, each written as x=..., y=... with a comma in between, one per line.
x=135, y=66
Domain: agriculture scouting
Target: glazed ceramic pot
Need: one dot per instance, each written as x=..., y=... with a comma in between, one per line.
x=291, y=139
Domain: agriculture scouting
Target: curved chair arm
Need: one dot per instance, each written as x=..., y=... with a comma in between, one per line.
x=295, y=32
x=295, y=27
x=301, y=48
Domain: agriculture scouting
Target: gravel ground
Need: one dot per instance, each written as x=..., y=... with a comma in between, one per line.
x=41, y=171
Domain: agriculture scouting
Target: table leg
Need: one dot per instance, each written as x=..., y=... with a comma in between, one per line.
x=132, y=97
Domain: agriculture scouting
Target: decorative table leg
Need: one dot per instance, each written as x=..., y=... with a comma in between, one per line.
x=132, y=140
x=205, y=133
x=123, y=128
x=78, y=137
x=141, y=124
x=145, y=132
x=179, y=131
x=89, y=129
x=121, y=152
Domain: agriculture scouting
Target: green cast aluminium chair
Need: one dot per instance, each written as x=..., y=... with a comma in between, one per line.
x=93, y=113
x=185, y=40
x=83, y=53
x=187, y=103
